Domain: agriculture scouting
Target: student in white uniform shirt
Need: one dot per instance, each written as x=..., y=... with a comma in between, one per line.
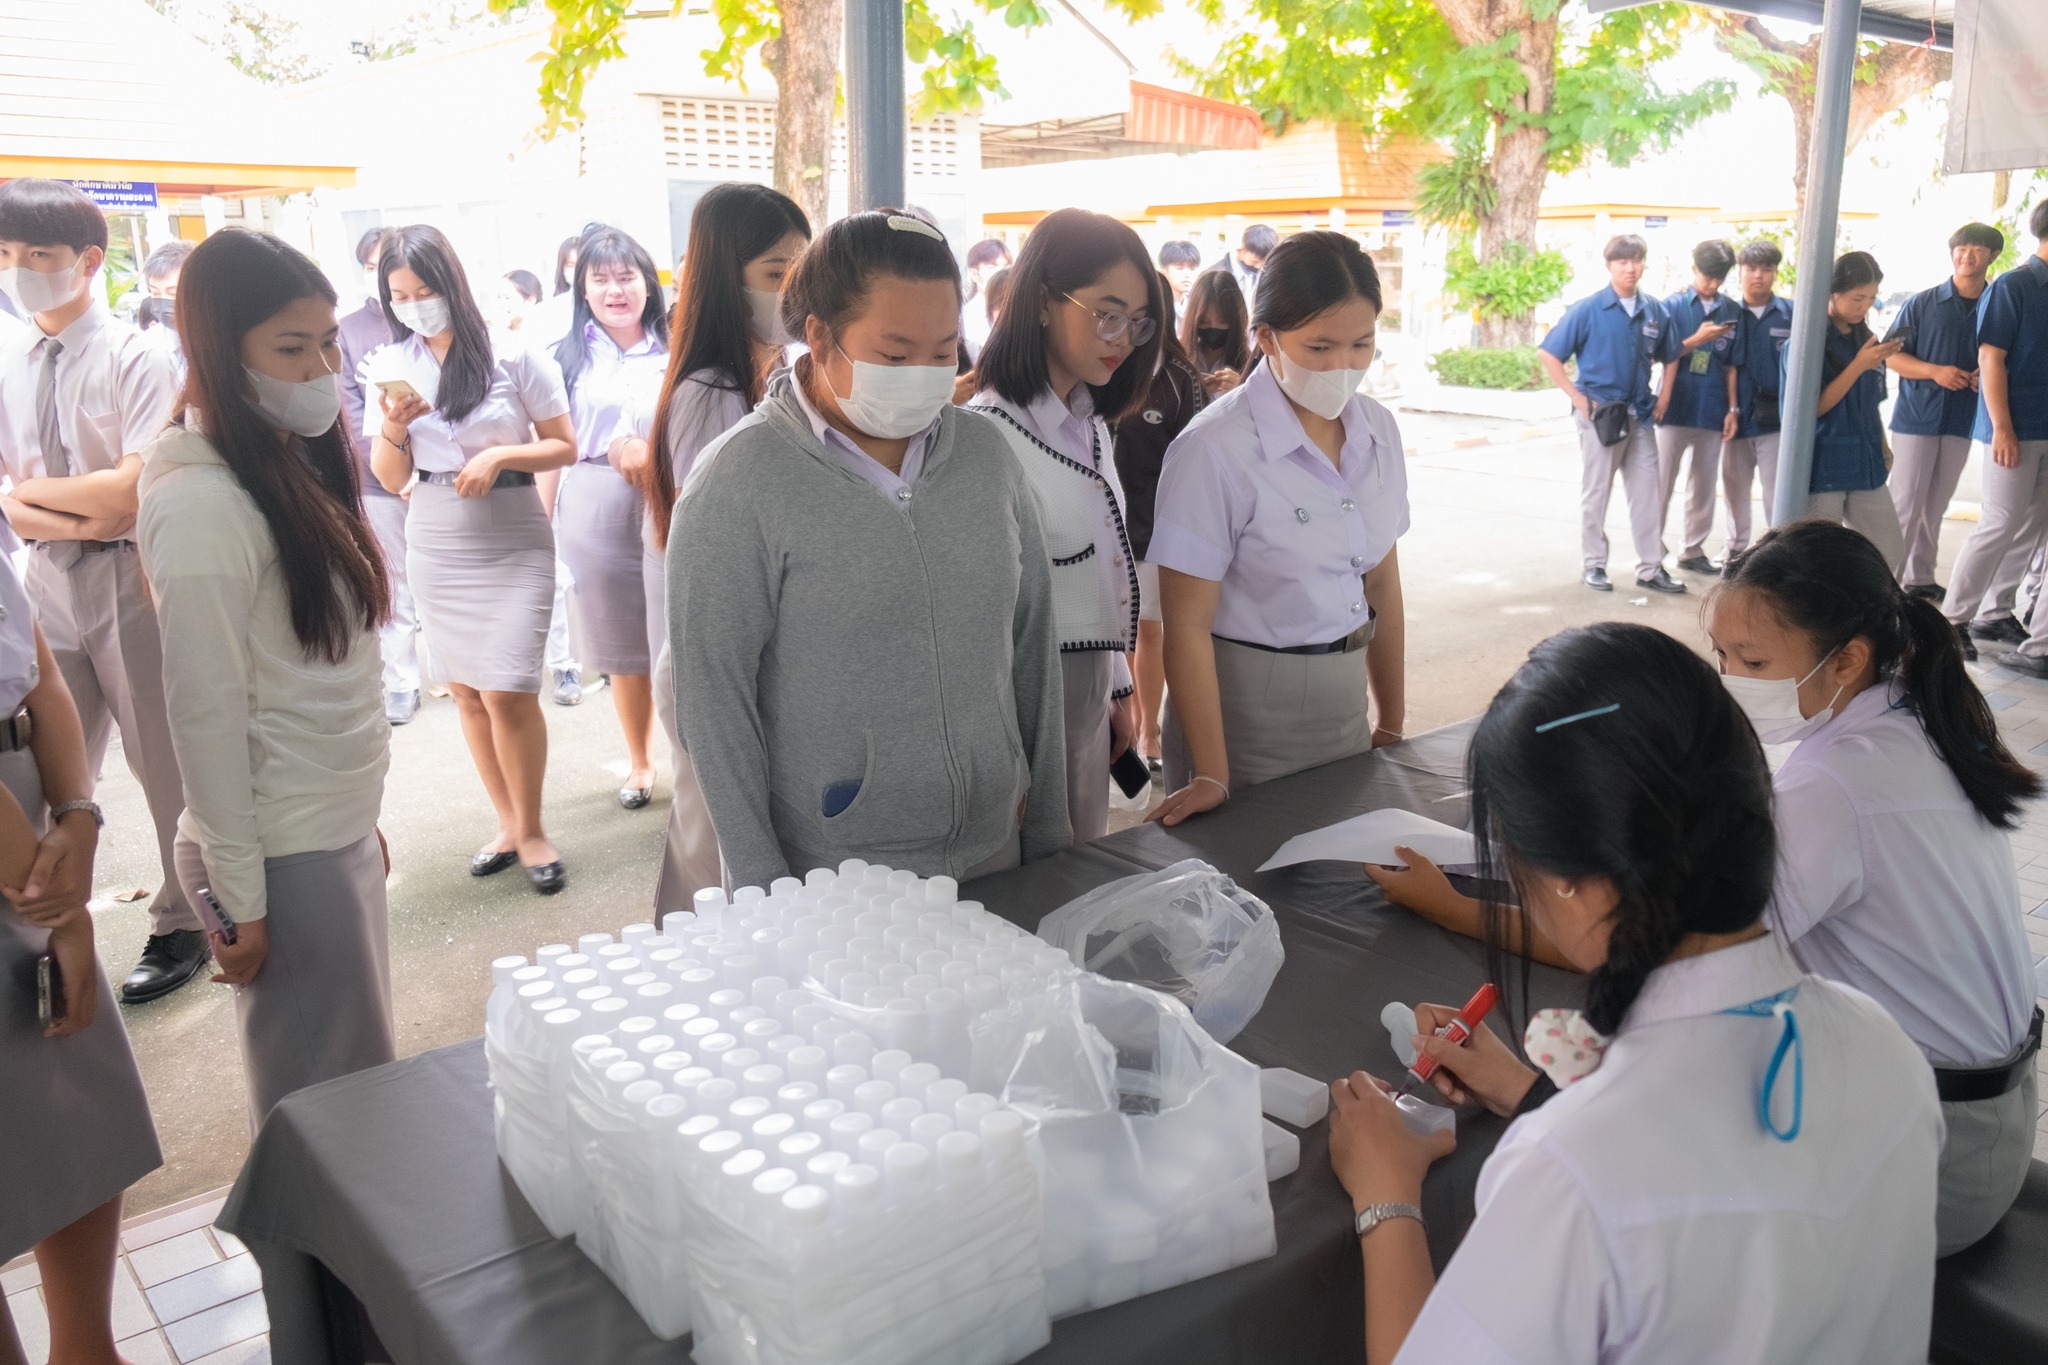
x=612, y=362
x=726, y=339
x=1274, y=533
x=480, y=553
x=80, y=396
x=1074, y=351
x=1740, y=1166
x=1896, y=866
x=270, y=586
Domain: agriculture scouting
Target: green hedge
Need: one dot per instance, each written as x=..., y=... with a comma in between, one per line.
x=1477, y=368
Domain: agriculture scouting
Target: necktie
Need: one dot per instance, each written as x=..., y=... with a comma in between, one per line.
x=56, y=461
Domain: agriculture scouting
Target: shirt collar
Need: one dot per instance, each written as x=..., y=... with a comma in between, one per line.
x=1280, y=432
x=1693, y=987
x=2039, y=268
x=827, y=434
x=595, y=334
x=83, y=328
x=1050, y=415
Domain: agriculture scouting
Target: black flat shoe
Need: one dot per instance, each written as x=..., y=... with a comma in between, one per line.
x=549, y=878
x=168, y=961
x=1699, y=564
x=1660, y=581
x=487, y=863
x=1932, y=592
x=633, y=798
x=1597, y=580
x=2003, y=631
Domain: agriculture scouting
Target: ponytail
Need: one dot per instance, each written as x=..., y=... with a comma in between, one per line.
x=1829, y=583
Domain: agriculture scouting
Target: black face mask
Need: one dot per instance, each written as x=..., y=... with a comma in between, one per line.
x=1212, y=338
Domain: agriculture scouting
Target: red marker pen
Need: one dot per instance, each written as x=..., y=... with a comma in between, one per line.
x=1462, y=1026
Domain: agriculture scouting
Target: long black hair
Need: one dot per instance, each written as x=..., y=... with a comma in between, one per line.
x=1832, y=586
x=607, y=246
x=466, y=373
x=710, y=330
x=1070, y=249
x=1615, y=752
x=305, y=487
x=1218, y=289
x=563, y=253
x=1309, y=274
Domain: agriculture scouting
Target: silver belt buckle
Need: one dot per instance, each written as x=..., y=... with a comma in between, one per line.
x=17, y=731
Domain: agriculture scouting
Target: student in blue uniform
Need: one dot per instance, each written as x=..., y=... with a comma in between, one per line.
x=1763, y=325
x=1848, y=435
x=1697, y=402
x=1616, y=336
x=1937, y=406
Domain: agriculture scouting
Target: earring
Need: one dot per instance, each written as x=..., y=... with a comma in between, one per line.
x=1567, y=891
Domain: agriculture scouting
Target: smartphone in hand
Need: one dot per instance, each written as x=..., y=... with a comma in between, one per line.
x=222, y=927
x=49, y=991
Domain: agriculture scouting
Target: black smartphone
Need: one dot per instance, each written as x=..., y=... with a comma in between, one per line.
x=1902, y=335
x=1131, y=772
x=49, y=991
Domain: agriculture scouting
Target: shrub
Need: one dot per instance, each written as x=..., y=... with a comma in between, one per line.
x=1479, y=368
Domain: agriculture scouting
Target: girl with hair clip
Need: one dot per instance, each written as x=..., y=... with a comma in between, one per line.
x=1215, y=331
x=860, y=599
x=479, y=552
x=1740, y=1162
x=270, y=587
x=726, y=338
x=1075, y=351
x=1894, y=818
x=1274, y=531
x=612, y=363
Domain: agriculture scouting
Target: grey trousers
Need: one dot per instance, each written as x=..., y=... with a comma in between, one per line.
x=1281, y=713
x=1086, y=675
x=1634, y=457
x=1700, y=451
x=1744, y=461
x=1984, y=1162
x=2012, y=524
x=1868, y=511
x=102, y=631
x=320, y=1006
x=1925, y=471
x=399, y=639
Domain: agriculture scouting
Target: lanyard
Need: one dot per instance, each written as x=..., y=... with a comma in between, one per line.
x=1780, y=1006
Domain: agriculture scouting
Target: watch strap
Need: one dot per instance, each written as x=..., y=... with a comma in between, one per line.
x=98, y=818
x=1372, y=1215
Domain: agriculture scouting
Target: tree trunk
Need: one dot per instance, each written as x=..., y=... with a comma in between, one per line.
x=805, y=64
x=1518, y=167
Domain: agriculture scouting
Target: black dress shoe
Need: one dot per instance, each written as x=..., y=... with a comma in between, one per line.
x=1699, y=564
x=168, y=961
x=1932, y=592
x=2003, y=631
x=633, y=798
x=1966, y=644
x=1660, y=581
x=549, y=878
x=1596, y=579
x=2033, y=665
x=487, y=862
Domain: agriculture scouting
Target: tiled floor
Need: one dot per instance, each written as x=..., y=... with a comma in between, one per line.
x=185, y=1293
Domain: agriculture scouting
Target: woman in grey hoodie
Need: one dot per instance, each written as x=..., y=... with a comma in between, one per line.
x=860, y=603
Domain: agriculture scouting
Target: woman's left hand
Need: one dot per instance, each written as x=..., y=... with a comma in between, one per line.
x=1379, y=1160
x=478, y=474
x=60, y=882
x=1421, y=883
x=241, y=960
x=78, y=965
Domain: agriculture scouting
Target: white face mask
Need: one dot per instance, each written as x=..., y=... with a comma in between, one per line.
x=766, y=322
x=309, y=409
x=428, y=317
x=894, y=401
x=1772, y=705
x=37, y=291
x=1322, y=392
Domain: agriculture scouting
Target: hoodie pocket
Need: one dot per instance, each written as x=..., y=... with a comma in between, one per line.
x=836, y=803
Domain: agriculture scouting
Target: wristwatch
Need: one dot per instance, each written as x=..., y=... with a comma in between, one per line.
x=98, y=818
x=1372, y=1215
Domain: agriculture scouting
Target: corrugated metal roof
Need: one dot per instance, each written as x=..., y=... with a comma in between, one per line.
x=1901, y=21
x=114, y=83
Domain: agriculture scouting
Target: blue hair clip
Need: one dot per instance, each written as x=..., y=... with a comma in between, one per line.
x=1547, y=726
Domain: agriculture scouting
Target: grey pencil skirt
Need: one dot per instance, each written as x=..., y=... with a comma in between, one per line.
x=598, y=521
x=483, y=581
x=1281, y=713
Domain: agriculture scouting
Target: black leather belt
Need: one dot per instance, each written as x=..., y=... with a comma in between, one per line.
x=1988, y=1083
x=1356, y=640
x=16, y=731
x=511, y=478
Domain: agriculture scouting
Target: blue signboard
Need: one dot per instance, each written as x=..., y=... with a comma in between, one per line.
x=122, y=196
x=1396, y=218
x=1651, y=220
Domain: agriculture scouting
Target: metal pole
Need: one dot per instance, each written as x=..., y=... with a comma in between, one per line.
x=876, y=135
x=1831, y=86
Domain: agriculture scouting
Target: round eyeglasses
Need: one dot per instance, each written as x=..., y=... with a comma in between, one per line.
x=1110, y=326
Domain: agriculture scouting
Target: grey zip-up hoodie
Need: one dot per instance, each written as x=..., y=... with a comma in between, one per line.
x=825, y=635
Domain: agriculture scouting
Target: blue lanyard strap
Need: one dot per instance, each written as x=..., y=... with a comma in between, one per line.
x=1780, y=1006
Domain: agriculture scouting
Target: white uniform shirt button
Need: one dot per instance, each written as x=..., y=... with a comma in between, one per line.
x=1348, y=505
x=1357, y=607
x=1358, y=561
x=903, y=495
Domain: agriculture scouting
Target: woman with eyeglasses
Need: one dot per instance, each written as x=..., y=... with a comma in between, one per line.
x=1074, y=351
x=1274, y=531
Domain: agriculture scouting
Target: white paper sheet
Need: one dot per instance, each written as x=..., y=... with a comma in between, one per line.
x=1371, y=837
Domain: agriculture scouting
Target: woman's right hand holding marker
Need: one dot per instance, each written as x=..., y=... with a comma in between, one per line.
x=1480, y=1068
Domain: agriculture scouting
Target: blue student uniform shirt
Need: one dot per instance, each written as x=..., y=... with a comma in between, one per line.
x=1698, y=400
x=1615, y=351
x=1944, y=327
x=1848, y=439
x=1758, y=361
x=2013, y=315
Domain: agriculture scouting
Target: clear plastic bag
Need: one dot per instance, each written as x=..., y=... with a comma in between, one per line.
x=1187, y=931
x=1155, y=1165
